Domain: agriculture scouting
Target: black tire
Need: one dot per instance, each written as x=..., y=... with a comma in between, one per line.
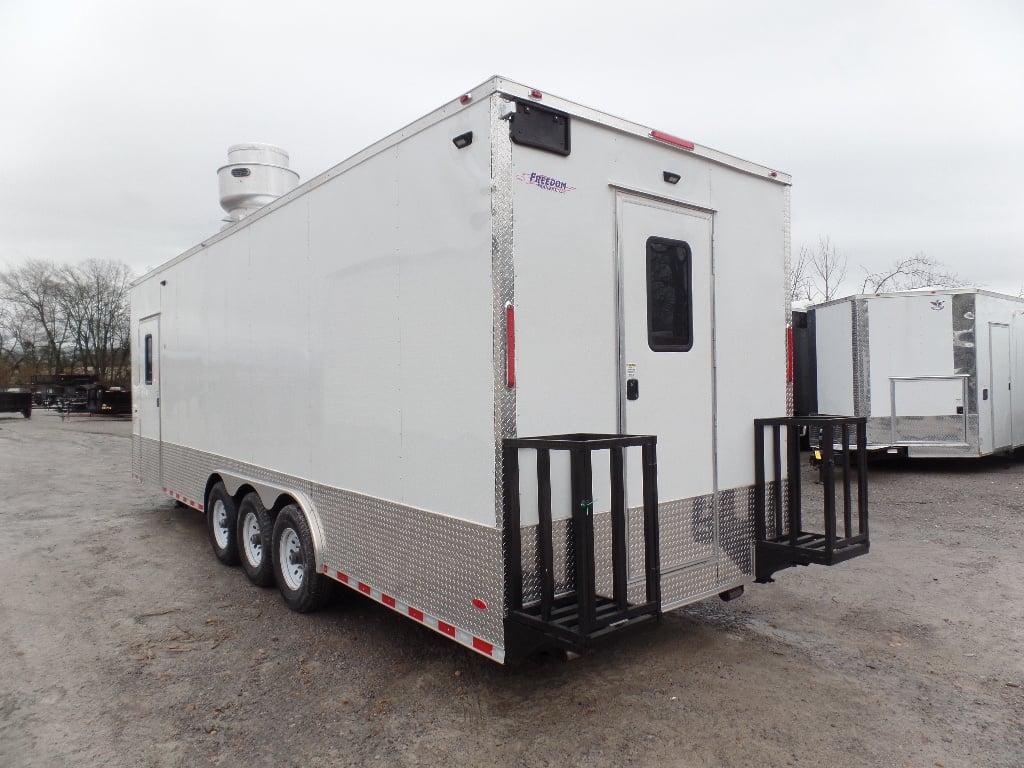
x=253, y=534
x=221, y=522
x=27, y=413
x=303, y=589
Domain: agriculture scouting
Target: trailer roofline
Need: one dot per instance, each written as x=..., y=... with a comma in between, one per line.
x=521, y=92
x=494, y=85
x=918, y=292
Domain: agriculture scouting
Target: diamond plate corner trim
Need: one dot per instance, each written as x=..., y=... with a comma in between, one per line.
x=861, y=358
x=965, y=351
x=787, y=314
x=437, y=563
x=503, y=292
x=503, y=289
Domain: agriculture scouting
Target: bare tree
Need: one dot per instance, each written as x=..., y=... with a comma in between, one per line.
x=34, y=288
x=916, y=271
x=799, y=277
x=10, y=347
x=59, y=319
x=94, y=301
x=20, y=340
x=819, y=272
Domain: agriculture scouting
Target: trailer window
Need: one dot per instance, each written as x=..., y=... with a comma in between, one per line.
x=149, y=358
x=669, y=296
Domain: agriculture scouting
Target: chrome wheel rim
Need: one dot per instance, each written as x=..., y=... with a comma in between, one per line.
x=252, y=540
x=221, y=531
x=292, y=567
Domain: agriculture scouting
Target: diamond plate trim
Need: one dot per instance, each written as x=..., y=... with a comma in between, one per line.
x=503, y=289
x=861, y=358
x=438, y=564
x=939, y=429
x=149, y=460
x=687, y=530
x=692, y=568
x=965, y=352
x=736, y=529
x=136, y=456
x=788, y=303
x=929, y=429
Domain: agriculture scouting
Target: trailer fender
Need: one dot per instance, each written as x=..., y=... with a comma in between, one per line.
x=269, y=493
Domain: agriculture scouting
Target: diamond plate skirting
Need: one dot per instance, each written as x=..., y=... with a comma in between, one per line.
x=936, y=435
x=146, y=459
x=442, y=564
x=692, y=564
x=436, y=563
x=136, y=456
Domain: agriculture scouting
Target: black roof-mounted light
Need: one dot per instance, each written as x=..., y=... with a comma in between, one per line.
x=463, y=140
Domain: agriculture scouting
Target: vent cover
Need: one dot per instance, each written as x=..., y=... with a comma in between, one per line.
x=539, y=127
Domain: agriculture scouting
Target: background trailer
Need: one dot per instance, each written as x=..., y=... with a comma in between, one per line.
x=931, y=370
x=498, y=371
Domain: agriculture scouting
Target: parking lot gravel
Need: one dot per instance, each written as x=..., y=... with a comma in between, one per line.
x=125, y=643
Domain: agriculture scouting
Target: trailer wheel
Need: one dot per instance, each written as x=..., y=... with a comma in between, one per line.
x=255, y=530
x=303, y=589
x=221, y=517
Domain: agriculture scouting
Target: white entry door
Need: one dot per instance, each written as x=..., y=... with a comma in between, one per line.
x=667, y=364
x=146, y=392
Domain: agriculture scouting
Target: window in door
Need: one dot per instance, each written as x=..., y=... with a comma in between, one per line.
x=669, y=295
x=149, y=358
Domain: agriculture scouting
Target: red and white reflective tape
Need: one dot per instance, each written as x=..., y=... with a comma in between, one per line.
x=478, y=644
x=184, y=499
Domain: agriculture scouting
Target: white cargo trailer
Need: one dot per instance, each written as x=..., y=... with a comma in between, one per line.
x=931, y=370
x=398, y=376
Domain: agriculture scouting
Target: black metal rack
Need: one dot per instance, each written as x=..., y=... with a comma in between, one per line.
x=791, y=541
x=575, y=618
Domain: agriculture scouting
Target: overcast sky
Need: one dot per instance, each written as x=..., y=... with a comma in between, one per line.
x=901, y=122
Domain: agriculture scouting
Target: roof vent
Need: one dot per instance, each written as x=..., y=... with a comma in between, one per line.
x=256, y=174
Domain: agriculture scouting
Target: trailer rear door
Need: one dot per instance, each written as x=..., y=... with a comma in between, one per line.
x=667, y=358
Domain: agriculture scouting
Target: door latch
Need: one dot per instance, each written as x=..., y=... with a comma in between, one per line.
x=632, y=389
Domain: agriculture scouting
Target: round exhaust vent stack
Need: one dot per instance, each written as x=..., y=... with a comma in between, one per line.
x=256, y=174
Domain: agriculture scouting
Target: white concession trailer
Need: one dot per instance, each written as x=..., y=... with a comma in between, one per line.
x=499, y=372
x=932, y=371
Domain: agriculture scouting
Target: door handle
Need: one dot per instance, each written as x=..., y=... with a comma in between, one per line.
x=632, y=389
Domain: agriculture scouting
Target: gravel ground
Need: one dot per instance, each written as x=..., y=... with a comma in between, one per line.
x=123, y=642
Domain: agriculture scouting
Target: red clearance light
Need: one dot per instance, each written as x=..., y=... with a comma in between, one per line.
x=478, y=603
x=668, y=138
x=510, y=346
x=535, y=94
x=464, y=98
